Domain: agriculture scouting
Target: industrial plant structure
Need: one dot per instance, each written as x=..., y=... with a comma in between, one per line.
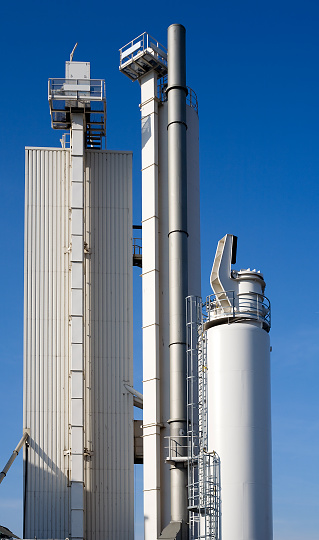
x=171, y=251
x=196, y=484
x=206, y=366
x=79, y=463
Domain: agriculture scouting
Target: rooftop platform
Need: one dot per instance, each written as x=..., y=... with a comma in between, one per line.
x=141, y=55
x=87, y=96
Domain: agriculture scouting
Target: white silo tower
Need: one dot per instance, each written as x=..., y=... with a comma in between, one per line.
x=171, y=264
x=238, y=396
x=79, y=462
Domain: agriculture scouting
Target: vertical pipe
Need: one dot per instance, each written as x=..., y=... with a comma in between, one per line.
x=14, y=454
x=178, y=272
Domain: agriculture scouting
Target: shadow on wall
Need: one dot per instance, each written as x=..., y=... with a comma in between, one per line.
x=146, y=130
x=45, y=488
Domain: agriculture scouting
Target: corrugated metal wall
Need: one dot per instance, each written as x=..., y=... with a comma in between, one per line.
x=109, y=471
x=108, y=429
x=46, y=341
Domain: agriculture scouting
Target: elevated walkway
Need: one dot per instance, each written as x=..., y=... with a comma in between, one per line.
x=68, y=96
x=141, y=55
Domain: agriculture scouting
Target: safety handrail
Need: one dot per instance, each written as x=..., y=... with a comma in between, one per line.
x=249, y=305
x=138, y=45
x=137, y=246
x=191, y=98
x=77, y=89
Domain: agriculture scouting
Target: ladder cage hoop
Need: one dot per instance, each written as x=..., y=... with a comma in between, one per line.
x=203, y=467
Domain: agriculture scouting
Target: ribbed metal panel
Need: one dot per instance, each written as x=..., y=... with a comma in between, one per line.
x=108, y=358
x=109, y=470
x=46, y=341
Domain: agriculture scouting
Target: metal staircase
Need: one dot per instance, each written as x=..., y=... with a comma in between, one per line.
x=94, y=132
x=86, y=96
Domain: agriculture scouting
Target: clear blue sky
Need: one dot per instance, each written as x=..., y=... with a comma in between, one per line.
x=254, y=67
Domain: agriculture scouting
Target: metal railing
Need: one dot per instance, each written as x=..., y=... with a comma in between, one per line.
x=66, y=140
x=191, y=98
x=76, y=90
x=248, y=305
x=139, y=45
x=137, y=252
x=177, y=448
x=137, y=246
x=87, y=94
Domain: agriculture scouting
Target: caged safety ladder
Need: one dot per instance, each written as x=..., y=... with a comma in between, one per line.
x=203, y=467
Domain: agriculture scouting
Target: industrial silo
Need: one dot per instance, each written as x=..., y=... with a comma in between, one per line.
x=238, y=396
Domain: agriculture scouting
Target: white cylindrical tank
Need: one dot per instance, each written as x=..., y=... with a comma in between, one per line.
x=239, y=419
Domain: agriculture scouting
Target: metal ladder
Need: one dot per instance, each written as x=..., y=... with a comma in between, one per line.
x=203, y=468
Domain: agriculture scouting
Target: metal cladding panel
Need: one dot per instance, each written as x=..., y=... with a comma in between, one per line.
x=46, y=342
x=109, y=435
x=150, y=289
x=239, y=427
x=107, y=303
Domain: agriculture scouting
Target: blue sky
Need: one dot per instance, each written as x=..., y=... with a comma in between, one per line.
x=254, y=67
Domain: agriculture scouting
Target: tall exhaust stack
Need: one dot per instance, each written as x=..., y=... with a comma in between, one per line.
x=178, y=267
x=171, y=243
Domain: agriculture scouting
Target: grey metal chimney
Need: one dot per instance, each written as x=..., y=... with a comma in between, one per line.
x=178, y=262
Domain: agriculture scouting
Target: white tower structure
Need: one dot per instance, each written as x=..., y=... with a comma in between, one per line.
x=79, y=462
x=238, y=393
x=146, y=60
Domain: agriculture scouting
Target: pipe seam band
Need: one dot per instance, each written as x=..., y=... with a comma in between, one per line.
x=178, y=231
x=177, y=87
x=177, y=122
x=178, y=343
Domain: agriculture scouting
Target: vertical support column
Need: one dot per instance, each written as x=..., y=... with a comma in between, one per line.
x=150, y=281
x=77, y=325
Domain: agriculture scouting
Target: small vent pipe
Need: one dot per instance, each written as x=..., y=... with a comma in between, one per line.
x=178, y=270
x=14, y=454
